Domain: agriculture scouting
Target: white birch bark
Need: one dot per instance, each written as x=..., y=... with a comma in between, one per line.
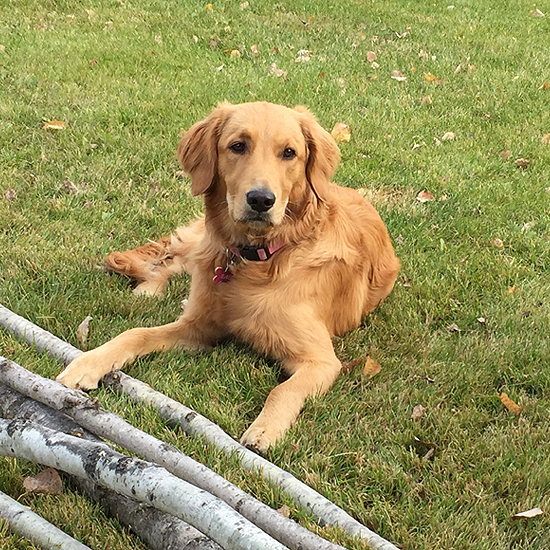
x=89, y=414
x=159, y=530
x=323, y=510
x=25, y=523
x=133, y=478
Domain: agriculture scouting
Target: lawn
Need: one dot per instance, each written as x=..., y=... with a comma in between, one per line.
x=448, y=99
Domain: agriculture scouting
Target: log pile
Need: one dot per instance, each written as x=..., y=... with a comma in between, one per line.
x=169, y=500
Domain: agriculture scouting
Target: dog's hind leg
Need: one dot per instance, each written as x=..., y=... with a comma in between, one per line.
x=152, y=264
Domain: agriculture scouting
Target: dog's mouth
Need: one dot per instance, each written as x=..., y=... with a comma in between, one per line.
x=257, y=219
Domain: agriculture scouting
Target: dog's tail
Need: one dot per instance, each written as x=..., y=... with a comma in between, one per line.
x=152, y=264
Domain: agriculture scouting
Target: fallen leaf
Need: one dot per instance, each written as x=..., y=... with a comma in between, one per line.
x=425, y=196
x=10, y=195
x=235, y=53
x=522, y=163
x=371, y=56
x=374, y=65
x=497, y=243
x=453, y=327
x=429, y=77
x=372, y=78
x=341, y=132
x=54, y=125
x=304, y=56
x=528, y=514
x=70, y=187
x=537, y=13
x=209, y=7
x=213, y=44
x=509, y=404
x=371, y=368
x=426, y=100
x=254, y=50
x=423, y=55
x=348, y=366
x=158, y=38
x=46, y=482
x=512, y=290
x=274, y=71
x=418, y=412
x=243, y=5
x=505, y=154
x=481, y=320
x=83, y=330
x=92, y=63
x=284, y=511
x=545, y=86
x=448, y=136
x=545, y=139
x=398, y=75
x=526, y=226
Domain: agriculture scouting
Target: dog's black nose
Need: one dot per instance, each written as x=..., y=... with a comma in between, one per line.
x=260, y=200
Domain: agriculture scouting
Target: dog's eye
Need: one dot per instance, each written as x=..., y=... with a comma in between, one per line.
x=289, y=153
x=238, y=147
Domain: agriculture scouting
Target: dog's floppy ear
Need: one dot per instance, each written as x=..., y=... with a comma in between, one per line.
x=323, y=153
x=198, y=149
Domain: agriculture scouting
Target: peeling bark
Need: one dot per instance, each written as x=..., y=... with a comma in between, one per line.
x=89, y=414
x=159, y=530
x=133, y=478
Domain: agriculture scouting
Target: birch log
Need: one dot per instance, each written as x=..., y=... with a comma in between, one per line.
x=159, y=530
x=133, y=478
x=25, y=523
x=89, y=414
x=322, y=509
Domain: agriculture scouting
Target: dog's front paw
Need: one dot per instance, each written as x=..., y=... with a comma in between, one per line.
x=85, y=371
x=260, y=437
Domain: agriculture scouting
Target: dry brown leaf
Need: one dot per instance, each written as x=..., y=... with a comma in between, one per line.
x=426, y=100
x=429, y=77
x=10, y=195
x=537, y=13
x=55, y=125
x=371, y=368
x=497, y=243
x=505, y=154
x=371, y=56
x=304, y=56
x=341, y=132
x=425, y=196
x=545, y=139
x=348, y=366
x=453, y=327
x=285, y=511
x=528, y=514
x=398, y=75
x=274, y=71
x=545, y=86
x=448, y=136
x=522, y=163
x=418, y=412
x=509, y=404
x=70, y=187
x=235, y=54
x=46, y=482
x=254, y=50
x=83, y=330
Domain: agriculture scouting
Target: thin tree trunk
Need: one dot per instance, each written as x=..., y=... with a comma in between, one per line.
x=25, y=523
x=322, y=509
x=133, y=478
x=159, y=530
x=89, y=414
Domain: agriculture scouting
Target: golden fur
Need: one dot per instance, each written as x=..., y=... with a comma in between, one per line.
x=336, y=265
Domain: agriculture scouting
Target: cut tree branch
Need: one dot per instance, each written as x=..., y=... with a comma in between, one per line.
x=322, y=509
x=25, y=523
x=159, y=530
x=89, y=414
x=133, y=478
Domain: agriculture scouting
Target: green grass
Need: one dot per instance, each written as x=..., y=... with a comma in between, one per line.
x=127, y=76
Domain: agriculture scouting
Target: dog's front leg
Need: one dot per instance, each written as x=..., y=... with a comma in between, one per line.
x=312, y=375
x=87, y=369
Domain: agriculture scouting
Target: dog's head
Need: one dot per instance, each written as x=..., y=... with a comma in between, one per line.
x=266, y=158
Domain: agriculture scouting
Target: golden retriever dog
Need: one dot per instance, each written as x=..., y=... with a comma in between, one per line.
x=283, y=259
